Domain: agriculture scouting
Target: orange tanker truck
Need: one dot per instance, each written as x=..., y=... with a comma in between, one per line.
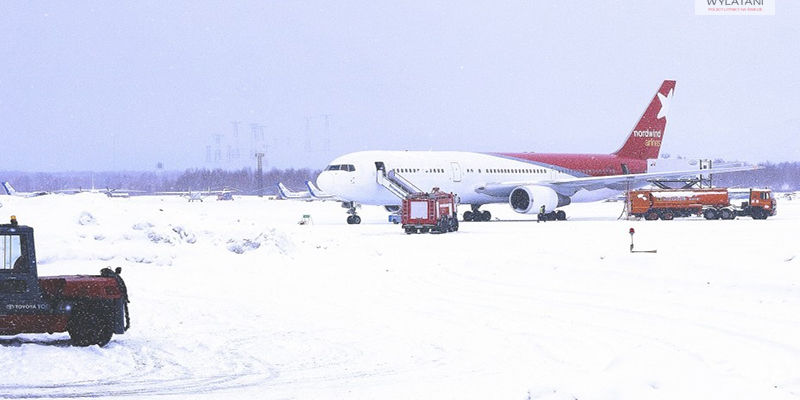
x=713, y=203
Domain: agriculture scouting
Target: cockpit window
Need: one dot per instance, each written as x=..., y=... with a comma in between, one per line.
x=341, y=167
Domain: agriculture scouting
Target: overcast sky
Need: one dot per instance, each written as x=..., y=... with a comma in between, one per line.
x=113, y=85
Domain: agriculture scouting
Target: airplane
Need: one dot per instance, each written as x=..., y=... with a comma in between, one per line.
x=313, y=193
x=531, y=183
x=285, y=194
x=199, y=195
x=12, y=192
x=316, y=192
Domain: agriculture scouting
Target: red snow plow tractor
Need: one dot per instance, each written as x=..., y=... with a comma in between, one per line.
x=90, y=308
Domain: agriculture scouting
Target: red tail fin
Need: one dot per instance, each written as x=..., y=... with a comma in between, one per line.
x=645, y=140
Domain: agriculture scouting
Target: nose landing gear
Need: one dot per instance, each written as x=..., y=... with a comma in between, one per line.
x=353, y=218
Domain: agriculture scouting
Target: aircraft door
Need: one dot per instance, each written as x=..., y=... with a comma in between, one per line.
x=456, y=169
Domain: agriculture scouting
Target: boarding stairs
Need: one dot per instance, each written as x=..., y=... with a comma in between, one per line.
x=394, y=182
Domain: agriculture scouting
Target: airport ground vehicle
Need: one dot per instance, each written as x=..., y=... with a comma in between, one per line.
x=225, y=196
x=90, y=308
x=711, y=203
x=429, y=212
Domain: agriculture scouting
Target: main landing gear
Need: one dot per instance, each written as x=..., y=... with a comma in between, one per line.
x=558, y=215
x=353, y=218
x=477, y=215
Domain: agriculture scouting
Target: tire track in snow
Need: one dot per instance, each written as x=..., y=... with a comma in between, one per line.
x=156, y=372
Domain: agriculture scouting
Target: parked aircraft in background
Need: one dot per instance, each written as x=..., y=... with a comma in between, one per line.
x=531, y=183
x=286, y=194
x=313, y=193
x=200, y=195
x=12, y=192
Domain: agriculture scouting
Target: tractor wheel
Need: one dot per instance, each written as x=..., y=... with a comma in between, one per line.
x=454, y=224
x=90, y=324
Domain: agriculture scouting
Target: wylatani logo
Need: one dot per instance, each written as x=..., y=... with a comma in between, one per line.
x=735, y=2
x=734, y=7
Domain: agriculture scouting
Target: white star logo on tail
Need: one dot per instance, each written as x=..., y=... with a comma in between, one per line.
x=665, y=100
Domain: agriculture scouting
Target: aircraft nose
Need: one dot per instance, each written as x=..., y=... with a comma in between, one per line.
x=325, y=181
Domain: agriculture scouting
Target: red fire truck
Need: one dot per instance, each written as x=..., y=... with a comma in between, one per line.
x=429, y=212
x=712, y=203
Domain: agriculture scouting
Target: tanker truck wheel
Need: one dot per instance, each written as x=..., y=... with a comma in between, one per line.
x=91, y=323
x=667, y=216
x=710, y=214
x=726, y=214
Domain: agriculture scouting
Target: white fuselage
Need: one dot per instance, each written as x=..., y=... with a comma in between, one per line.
x=451, y=171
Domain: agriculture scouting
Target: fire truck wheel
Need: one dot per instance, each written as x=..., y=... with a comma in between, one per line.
x=467, y=216
x=561, y=215
x=91, y=324
x=667, y=216
x=486, y=216
x=454, y=225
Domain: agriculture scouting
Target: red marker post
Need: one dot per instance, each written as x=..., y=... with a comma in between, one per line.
x=631, y=231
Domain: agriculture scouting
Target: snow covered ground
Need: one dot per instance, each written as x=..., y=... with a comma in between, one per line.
x=236, y=300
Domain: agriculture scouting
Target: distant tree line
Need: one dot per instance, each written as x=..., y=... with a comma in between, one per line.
x=245, y=181
x=780, y=177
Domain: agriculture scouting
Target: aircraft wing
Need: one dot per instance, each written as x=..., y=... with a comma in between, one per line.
x=570, y=186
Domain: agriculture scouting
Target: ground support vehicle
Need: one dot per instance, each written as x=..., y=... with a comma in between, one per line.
x=429, y=212
x=90, y=308
x=225, y=196
x=711, y=203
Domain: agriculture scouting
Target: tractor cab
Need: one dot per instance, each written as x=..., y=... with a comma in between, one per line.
x=19, y=283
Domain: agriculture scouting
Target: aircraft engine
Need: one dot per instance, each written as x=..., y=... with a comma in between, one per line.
x=529, y=199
